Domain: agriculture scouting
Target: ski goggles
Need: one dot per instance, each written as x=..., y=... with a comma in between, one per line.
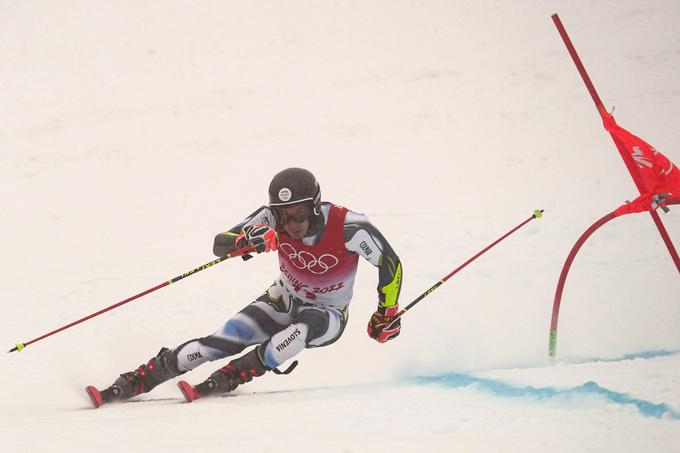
x=297, y=213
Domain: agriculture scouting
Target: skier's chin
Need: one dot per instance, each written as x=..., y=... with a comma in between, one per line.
x=296, y=233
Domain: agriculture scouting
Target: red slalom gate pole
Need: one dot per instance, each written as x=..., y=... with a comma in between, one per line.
x=552, y=342
x=577, y=61
x=627, y=159
x=630, y=166
x=240, y=252
x=538, y=213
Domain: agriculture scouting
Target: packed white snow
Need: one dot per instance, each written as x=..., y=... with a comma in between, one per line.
x=133, y=132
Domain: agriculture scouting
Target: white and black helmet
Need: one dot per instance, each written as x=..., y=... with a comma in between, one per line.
x=295, y=185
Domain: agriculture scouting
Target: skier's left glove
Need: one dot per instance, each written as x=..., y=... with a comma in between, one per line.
x=260, y=238
x=380, y=320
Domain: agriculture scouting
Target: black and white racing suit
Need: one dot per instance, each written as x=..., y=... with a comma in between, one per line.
x=307, y=306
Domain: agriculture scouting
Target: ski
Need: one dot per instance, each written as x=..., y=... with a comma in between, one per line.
x=190, y=393
x=95, y=396
x=97, y=400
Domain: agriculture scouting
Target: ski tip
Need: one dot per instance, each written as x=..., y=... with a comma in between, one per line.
x=190, y=394
x=95, y=396
x=538, y=213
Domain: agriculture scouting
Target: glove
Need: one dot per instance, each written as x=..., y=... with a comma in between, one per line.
x=260, y=238
x=380, y=320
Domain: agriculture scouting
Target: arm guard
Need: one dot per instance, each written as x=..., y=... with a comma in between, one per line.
x=389, y=284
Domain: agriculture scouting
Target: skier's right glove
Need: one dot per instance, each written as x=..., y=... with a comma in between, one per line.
x=380, y=320
x=260, y=238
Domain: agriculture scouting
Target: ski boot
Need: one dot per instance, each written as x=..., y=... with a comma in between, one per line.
x=157, y=370
x=226, y=379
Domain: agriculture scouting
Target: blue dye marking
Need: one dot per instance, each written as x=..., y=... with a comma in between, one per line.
x=504, y=389
x=632, y=356
x=648, y=354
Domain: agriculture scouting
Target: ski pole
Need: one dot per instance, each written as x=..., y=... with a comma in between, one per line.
x=538, y=213
x=240, y=252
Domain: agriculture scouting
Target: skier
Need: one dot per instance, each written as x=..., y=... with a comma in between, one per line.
x=318, y=246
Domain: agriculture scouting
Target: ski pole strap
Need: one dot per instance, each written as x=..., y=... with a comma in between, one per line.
x=288, y=370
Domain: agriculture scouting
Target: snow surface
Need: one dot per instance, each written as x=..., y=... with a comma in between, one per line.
x=132, y=132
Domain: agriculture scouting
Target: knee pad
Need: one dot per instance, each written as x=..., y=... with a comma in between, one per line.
x=327, y=326
x=317, y=322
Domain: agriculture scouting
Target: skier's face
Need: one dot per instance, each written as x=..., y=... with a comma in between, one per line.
x=294, y=219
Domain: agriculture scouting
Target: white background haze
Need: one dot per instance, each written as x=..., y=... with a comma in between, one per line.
x=133, y=132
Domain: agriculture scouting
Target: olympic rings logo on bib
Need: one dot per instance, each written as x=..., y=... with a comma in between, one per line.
x=306, y=260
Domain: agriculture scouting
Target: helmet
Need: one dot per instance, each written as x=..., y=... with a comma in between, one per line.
x=295, y=185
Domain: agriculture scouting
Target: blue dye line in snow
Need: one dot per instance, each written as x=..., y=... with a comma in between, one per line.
x=506, y=390
x=648, y=354
x=631, y=356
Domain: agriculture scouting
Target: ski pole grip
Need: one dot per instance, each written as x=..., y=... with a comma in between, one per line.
x=395, y=319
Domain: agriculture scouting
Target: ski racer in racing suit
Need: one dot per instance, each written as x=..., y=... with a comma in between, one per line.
x=318, y=246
